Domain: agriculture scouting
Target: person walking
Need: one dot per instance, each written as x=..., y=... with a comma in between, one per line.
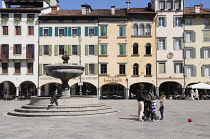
x=196, y=94
x=153, y=107
x=140, y=95
x=161, y=109
x=191, y=94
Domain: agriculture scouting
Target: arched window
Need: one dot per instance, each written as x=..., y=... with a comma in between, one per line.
x=148, y=49
x=135, y=49
x=148, y=69
x=148, y=30
x=142, y=29
x=135, y=69
x=135, y=29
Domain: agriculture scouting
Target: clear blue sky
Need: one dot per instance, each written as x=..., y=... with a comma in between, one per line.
x=105, y=4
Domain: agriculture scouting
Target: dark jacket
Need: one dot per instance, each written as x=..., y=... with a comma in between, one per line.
x=140, y=95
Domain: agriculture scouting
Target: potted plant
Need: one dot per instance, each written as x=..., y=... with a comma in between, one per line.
x=4, y=20
x=91, y=34
x=74, y=35
x=170, y=96
x=163, y=96
x=60, y=35
x=17, y=20
x=30, y=20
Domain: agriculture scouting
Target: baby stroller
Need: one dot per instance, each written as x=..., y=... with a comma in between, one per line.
x=147, y=112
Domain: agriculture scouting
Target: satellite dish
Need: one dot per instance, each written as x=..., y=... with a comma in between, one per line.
x=201, y=5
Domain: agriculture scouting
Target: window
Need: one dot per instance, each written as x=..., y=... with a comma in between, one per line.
x=122, y=69
x=74, y=21
x=170, y=5
x=17, y=49
x=5, y=30
x=206, y=21
x=17, y=30
x=5, y=49
x=205, y=52
x=91, y=69
x=177, y=21
x=30, y=15
x=75, y=31
x=61, y=21
x=177, y=44
x=178, y=68
x=189, y=53
x=189, y=36
x=30, y=30
x=135, y=49
x=61, y=49
x=161, y=22
x=205, y=71
x=90, y=21
x=46, y=21
x=46, y=49
x=5, y=15
x=148, y=49
x=190, y=71
x=103, y=49
x=91, y=31
x=61, y=31
x=122, y=31
x=142, y=29
x=30, y=67
x=4, y=68
x=30, y=51
x=148, y=69
x=161, y=5
x=162, y=68
x=46, y=31
x=148, y=30
x=103, y=30
x=17, y=68
x=161, y=44
x=103, y=68
x=177, y=5
x=122, y=49
x=206, y=36
x=188, y=22
x=17, y=16
x=44, y=70
x=91, y=49
x=74, y=50
x=135, y=29
x=135, y=69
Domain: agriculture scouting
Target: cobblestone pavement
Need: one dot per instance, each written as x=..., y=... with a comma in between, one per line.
x=122, y=125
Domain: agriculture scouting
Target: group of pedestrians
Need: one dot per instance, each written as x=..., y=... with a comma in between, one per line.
x=146, y=102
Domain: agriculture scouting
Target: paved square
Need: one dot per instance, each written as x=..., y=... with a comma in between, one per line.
x=122, y=125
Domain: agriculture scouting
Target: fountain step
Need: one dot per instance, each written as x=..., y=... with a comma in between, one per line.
x=59, y=110
x=65, y=114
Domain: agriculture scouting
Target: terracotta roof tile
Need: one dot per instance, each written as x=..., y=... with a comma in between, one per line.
x=191, y=10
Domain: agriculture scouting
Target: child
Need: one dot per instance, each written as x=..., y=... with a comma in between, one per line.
x=161, y=109
x=153, y=106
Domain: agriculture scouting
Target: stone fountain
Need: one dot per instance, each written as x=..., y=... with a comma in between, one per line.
x=68, y=106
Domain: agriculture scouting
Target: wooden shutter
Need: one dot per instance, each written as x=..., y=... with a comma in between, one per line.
x=157, y=44
x=203, y=71
x=14, y=49
x=194, y=53
x=165, y=21
x=193, y=37
x=40, y=50
x=96, y=69
x=174, y=44
x=65, y=31
x=194, y=71
x=184, y=53
x=56, y=50
x=79, y=31
x=50, y=50
x=157, y=22
x=174, y=21
x=56, y=31
x=202, y=52
x=165, y=43
x=95, y=50
x=182, y=44
x=50, y=31
x=86, y=69
x=185, y=71
x=40, y=69
x=95, y=31
x=69, y=31
x=79, y=50
x=86, y=50
x=40, y=31
x=69, y=51
x=184, y=36
x=86, y=31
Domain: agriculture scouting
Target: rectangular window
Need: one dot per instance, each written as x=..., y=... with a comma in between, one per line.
x=61, y=21
x=4, y=68
x=91, y=31
x=17, y=16
x=17, y=30
x=30, y=67
x=103, y=49
x=188, y=21
x=177, y=5
x=189, y=53
x=177, y=21
x=103, y=30
x=161, y=44
x=61, y=49
x=206, y=36
x=178, y=68
x=206, y=52
x=161, y=5
x=177, y=44
x=189, y=36
x=103, y=68
x=46, y=49
x=17, y=49
x=122, y=49
x=30, y=30
x=17, y=68
x=91, y=69
x=61, y=31
x=46, y=31
x=30, y=16
x=5, y=30
x=170, y=5
x=122, y=31
x=122, y=69
x=74, y=31
x=206, y=21
x=74, y=50
x=5, y=49
x=74, y=21
x=45, y=21
x=30, y=51
x=91, y=49
x=162, y=68
x=161, y=22
x=44, y=70
x=207, y=71
x=189, y=71
x=5, y=15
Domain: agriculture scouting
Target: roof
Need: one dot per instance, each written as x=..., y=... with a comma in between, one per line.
x=140, y=10
x=22, y=10
x=191, y=10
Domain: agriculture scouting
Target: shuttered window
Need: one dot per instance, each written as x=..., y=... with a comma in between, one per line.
x=30, y=67
x=61, y=49
x=103, y=50
x=17, y=30
x=17, y=49
x=4, y=68
x=5, y=30
x=74, y=50
x=162, y=68
x=206, y=36
x=178, y=68
x=103, y=30
x=30, y=30
x=91, y=69
x=46, y=49
x=17, y=68
x=91, y=50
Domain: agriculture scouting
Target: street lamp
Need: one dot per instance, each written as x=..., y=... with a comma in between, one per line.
x=80, y=78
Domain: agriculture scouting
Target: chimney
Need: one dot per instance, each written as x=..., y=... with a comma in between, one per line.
x=113, y=10
x=128, y=4
x=84, y=6
x=53, y=2
x=197, y=8
x=54, y=10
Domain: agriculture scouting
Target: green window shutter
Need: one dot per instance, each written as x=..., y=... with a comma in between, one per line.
x=40, y=50
x=66, y=49
x=40, y=31
x=124, y=31
x=103, y=49
x=105, y=30
x=184, y=53
x=40, y=69
x=86, y=50
x=182, y=44
x=69, y=51
x=56, y=31
x=165, y=21
x=65, y=31
x=194, y=71
x=95, y=31
x=193, y=37
x=69, y=31
x=157, y=44
x=56, y=50
x=79, y=31
x=203, y=71
x=101, y=30
x=86, y=69
x=50, y=50
x=96, y=69
x=79, y=50
x=165, y=43
x=86, y=31
x=184, y=36
x=174, y=43
x=50, y=31
x=185, y=71
x=194, y=53
x=95, y=50
x=202, y=52
x=157, y=22
x=120, y=30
